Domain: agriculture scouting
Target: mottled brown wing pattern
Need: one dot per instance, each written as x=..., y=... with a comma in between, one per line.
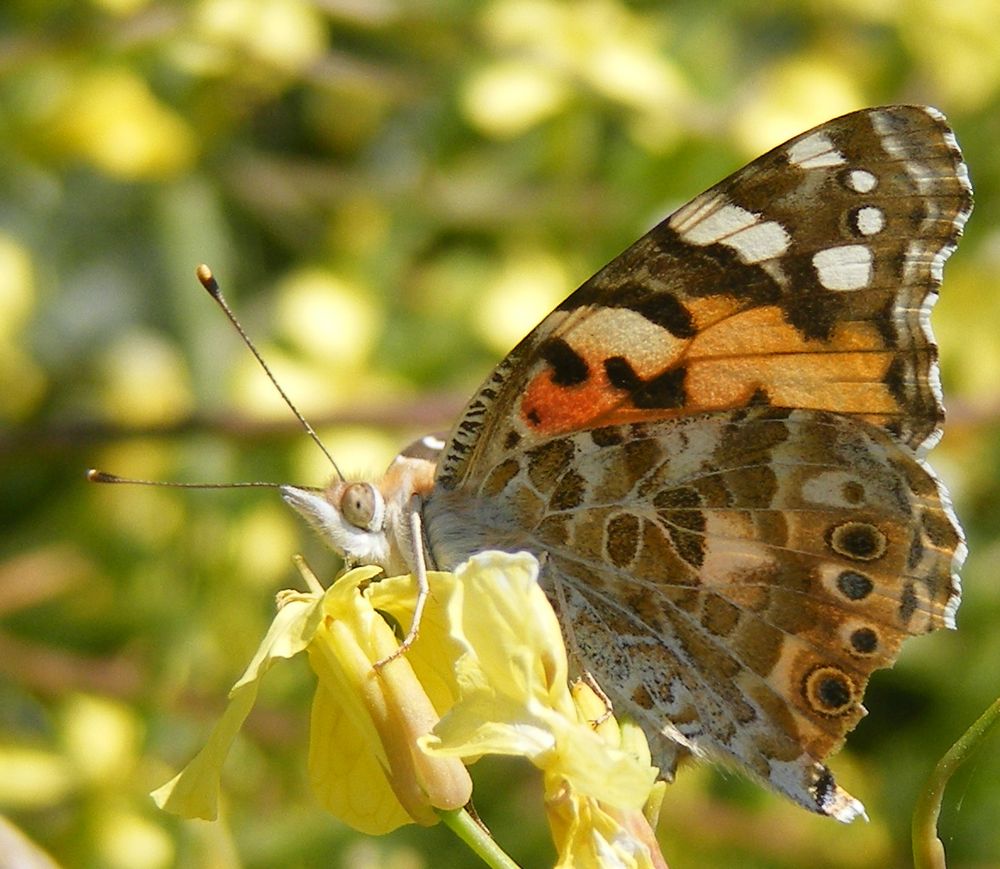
x=803, y=280
x=731, y=579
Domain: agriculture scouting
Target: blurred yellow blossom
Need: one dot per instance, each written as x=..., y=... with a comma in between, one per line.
x=101, y=737
x=112, y=119
x=327, y=317
x=507, y=98
x=286, y=35
x=546, y=46
x=145, y=380
x=958, y=41
x=24, y=378
x=530, y=283
x=17, y=286
x=793, y=96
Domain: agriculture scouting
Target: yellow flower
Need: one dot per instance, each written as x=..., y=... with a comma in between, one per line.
x=489, y=659
x=364, y=763
x=514, y=698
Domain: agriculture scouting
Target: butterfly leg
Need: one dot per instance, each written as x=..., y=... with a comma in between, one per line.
x=423, y=590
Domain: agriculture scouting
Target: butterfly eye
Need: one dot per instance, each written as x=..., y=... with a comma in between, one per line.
x=358, y=503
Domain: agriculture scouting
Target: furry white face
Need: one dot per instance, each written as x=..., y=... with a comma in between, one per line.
x=349, y=517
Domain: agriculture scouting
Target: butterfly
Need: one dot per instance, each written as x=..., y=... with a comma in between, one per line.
x=714, y=447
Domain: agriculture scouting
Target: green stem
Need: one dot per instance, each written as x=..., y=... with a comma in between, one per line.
x=478, y=838
x=928, y=852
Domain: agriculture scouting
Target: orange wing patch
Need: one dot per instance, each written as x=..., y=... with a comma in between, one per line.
x=616, y=366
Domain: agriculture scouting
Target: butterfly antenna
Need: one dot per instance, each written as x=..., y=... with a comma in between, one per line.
x=95, y=476
x=208, y=281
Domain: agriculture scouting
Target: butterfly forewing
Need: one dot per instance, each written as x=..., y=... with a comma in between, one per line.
x=803, y=280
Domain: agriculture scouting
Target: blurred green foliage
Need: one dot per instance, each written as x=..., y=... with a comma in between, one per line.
x=392, y=192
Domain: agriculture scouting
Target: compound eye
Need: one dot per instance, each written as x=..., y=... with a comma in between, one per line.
x=357, y=505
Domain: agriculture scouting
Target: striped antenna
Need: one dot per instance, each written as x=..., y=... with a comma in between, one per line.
x=208, y=281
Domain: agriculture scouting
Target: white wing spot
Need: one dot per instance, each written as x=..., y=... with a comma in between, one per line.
x=844, y=268
x=869, y=220
x=761, y=242
x=739, y=229
x=861, y=181
x=717, y=226
x=433, y=443
x=815, y=152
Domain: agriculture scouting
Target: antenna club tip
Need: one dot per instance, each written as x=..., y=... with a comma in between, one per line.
x=95, y=476
x=207, y=279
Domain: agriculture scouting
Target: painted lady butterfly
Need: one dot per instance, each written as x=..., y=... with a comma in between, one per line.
x=713, y=447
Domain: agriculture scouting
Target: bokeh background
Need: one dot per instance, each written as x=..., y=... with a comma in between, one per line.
x=393, y=192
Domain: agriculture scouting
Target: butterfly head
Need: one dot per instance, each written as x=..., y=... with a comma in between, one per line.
x=368, y=523
x=349, y=516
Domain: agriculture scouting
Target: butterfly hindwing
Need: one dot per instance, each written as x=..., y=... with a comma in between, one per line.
x=732, y=578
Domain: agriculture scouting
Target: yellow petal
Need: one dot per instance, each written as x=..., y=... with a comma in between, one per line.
x=291, y=632
x=471, y=731
x=435, y=652
x=345, y=773
x=620, y=775
x=515, y=696
x=591, y=835
x=388, y=709
x=194, y=792
x=508, y=623
x=512, y=675
x=598, y=770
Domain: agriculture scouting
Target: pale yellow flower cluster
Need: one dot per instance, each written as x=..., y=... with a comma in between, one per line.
x=487, y=675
